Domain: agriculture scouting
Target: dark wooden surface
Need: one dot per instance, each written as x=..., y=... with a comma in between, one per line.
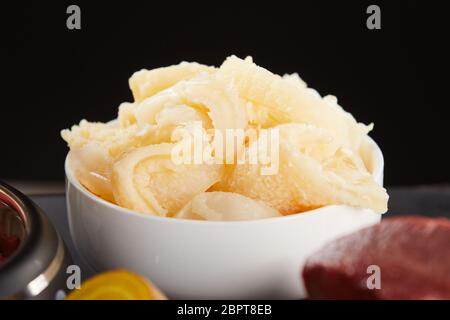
x=433, y=201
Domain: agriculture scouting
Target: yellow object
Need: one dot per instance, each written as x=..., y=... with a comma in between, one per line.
x=117, y=285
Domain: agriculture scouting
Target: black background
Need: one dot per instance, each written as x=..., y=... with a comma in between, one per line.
x=395, y=77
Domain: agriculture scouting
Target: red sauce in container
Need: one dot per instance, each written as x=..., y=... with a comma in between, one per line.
x=9, y=242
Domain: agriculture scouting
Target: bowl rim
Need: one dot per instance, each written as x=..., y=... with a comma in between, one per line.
x=378, y=168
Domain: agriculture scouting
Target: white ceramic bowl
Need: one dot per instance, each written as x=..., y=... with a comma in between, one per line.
x=190, y=259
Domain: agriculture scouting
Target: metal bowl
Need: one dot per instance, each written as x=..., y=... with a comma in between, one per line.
x=36, y=269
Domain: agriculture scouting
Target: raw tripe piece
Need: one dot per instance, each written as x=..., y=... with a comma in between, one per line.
x=286, y=100
x=181, y=115
x=209, y=94
x=125, y=115
x=147, y=180
x=295, y=79
x=225, y=206
x=91, y=165
x=95, y=146
x=167, y=120
x=314, y=171
x=145, y=83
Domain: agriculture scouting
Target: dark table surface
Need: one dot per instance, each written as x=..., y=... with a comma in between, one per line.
x=433, y=201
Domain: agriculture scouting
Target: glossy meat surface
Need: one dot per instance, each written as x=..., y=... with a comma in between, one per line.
x=411, y=255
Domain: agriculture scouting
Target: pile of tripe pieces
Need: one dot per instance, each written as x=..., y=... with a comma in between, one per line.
x=319, y=147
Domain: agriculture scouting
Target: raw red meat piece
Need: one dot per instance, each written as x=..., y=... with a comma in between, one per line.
x=412, y=253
